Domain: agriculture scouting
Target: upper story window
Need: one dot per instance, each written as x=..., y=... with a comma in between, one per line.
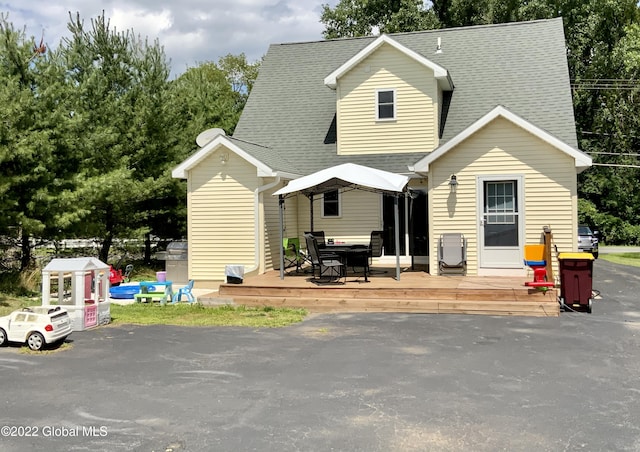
x=385, y=104
x=331, y=204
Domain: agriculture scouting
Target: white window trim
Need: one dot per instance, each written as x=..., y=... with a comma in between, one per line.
x=339, y=207
x=395, y=104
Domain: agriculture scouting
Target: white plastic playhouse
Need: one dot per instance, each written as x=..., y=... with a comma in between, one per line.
x=81, y=286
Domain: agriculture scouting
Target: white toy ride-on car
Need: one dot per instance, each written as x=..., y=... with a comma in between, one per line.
x=37, y=326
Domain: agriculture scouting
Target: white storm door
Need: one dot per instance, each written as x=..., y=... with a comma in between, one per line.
x=500, y=235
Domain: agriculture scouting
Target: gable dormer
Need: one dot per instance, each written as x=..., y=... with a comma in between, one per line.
x=388, y=99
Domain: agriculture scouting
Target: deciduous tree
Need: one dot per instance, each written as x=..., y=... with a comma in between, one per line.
x=353, y=18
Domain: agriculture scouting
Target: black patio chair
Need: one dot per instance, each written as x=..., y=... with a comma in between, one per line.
x=328, y=264
x=375, y=245
x=375, y=249
x=319, y=236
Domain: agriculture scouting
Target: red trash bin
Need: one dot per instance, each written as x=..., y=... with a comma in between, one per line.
x=576, y=280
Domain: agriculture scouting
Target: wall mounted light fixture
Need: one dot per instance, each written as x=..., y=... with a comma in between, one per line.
x=224, y=157
x=453, y=183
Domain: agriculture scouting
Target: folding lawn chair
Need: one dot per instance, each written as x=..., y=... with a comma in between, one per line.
x=292, y=256
x=452, y=254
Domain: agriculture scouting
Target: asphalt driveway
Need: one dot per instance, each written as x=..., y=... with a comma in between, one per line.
x=366, y=382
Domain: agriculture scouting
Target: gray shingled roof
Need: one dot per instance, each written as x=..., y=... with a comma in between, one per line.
x=521, y=66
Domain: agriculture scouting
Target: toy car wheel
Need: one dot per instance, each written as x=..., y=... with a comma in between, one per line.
x=35, y=341
x=589, y=306
x=3, y=337
x=595, y=255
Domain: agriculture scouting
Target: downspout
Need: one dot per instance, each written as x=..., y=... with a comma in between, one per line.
x=256, y=214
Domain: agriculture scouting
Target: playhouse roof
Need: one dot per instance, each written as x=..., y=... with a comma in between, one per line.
x=75, y=264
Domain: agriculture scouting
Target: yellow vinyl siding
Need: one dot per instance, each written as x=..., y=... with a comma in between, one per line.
x=415, y=128
x=504, y=148
x=272, y=226
x=361, y=214
x=221, y=216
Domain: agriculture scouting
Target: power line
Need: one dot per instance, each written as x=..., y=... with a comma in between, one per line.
x=604, y=134
x=605, y=83
x=628, y=154
x=608, y=84
x=616, y=165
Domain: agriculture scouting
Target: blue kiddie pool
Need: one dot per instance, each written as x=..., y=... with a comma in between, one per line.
x=124, y=292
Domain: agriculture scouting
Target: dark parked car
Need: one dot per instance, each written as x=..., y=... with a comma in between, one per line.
x=587, y=240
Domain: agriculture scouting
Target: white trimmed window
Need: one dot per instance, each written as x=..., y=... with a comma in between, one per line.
x=385, y=104
x=331, y=205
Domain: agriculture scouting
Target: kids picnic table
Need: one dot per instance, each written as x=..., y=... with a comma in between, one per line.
x=155, y=290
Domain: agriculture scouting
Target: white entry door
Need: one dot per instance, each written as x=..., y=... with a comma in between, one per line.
x=500, y=201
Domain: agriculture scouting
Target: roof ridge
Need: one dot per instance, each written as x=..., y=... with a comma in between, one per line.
x=250, y=142
x=470, y=27
x=434, y=30
x=270, y=148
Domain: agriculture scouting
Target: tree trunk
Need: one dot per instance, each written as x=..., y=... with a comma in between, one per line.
x=147, y=249
x=25, y=259
x=104, y=249
x=108, y=237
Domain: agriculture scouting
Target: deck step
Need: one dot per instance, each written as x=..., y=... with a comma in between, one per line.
x=542, y=307
x=417, y=293
x=336, y=292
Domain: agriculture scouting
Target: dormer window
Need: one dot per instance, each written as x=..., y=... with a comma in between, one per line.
x=386, y=104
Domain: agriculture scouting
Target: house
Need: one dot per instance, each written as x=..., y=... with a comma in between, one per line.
x=480, y=118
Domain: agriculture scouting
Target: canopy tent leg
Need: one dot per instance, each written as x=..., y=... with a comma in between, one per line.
x=396, y=218
x=281, y=212
x=310, y=212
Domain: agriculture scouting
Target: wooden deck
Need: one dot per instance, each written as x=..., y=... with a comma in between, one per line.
x=416, y=292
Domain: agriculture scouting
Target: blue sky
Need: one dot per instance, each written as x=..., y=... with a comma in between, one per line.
x=191, y=31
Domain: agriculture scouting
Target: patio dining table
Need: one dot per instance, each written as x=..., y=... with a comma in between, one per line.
x=354, y=255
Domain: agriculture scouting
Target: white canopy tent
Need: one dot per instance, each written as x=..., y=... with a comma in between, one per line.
x=344, y=177
x=347, y=175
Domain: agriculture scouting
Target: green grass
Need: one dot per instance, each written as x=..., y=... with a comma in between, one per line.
x=141, y=273
x=9, y=303
x=16, y=284
x=48, y=350
x=632, y=259
x=182, y=314
x=19, y=290
x=198, y=315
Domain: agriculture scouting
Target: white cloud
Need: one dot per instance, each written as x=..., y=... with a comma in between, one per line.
x=143, y=22
x=191, y=31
